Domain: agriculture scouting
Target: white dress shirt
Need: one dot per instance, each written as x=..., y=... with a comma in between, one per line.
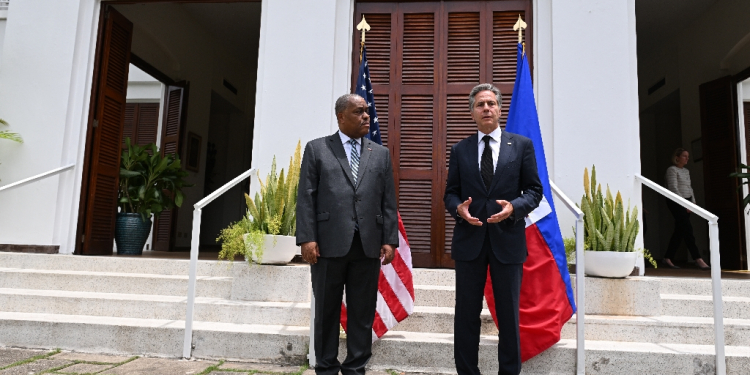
x=348, y=146
x=494, y=145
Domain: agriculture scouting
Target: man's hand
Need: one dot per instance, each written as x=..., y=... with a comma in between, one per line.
x=386, y=254
x=310, y=252
x=502, y=215
x=463, y=211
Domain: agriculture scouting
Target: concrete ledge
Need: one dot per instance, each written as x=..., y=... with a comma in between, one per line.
x=271, y=283
x=635, y=296
x=31, y=249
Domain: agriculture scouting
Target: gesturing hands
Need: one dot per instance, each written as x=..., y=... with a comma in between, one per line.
x=310, y=252
x=463, y=211
x=502, y=215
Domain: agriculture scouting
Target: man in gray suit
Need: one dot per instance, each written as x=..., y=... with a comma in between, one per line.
x=346, y=223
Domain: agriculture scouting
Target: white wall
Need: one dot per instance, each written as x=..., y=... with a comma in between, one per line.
x=295, y=62
x=40, y=96
x=589, y=73
x=746, y=90
x=142, y=88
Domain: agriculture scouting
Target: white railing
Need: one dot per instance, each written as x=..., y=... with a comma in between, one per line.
x=580, y=281
x=713, y=235
x=37, y=177
x=4, y=4
x=194, y=243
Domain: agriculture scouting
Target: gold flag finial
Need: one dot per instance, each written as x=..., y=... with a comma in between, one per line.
x=520, y=26
x=364, y=27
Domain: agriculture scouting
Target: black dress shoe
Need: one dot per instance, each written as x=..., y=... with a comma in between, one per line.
x=670, y=265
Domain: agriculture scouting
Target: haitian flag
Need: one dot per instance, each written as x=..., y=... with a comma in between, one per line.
x=546, y=301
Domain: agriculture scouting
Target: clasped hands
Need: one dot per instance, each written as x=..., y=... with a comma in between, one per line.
x=463, y=211
x=311, y=252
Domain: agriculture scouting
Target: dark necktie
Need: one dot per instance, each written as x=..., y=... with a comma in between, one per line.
x=486, y=165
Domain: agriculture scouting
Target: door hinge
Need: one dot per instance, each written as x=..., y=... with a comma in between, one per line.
x=96, y=123
x=83, y=239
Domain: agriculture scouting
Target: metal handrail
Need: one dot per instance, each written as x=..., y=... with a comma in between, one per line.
x=713, y=235
x=194, y=243
x=580, y=280
x=40, y=176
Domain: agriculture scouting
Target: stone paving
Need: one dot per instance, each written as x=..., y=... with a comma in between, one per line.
x=16, y=361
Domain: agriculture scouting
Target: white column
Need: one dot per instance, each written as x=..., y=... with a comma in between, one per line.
x=304, y=64
x=595, y=98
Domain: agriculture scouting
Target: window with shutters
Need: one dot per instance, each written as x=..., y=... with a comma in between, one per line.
x=424, y=59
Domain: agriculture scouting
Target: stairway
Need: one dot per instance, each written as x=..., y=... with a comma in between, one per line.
x=137, y=306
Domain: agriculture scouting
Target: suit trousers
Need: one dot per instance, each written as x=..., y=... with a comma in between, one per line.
x=683, y=231
x=471, y=277
x=359, y=275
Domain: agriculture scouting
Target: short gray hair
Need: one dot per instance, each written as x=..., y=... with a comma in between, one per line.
x=342, y=103
x=485, y=87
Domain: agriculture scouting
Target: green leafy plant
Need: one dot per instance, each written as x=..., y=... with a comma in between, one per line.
x=7, y=134
x=744, y=178
x=607, y=225
x=272, y=211
x=150, y=182
x=570, y=248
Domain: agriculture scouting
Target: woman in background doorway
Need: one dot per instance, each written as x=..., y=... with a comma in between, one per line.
x=678, y=181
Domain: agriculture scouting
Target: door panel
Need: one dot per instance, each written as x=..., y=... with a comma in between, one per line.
x=175, y=111
x=720, y=158
x=424, y=59
x=107, y=128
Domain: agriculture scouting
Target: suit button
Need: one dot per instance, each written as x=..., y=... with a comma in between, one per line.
x=354, y=219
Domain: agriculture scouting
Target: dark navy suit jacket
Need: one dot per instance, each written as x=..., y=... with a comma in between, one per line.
x=515, y=180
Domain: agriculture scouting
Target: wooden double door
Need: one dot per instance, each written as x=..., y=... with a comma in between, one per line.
x=424, y=59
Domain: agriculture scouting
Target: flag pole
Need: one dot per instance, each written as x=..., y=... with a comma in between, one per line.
x=364, y=27
x=520, y=26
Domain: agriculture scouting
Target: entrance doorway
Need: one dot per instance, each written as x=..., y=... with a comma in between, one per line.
x=206, y=56
x=690, y=77
x=424, y=59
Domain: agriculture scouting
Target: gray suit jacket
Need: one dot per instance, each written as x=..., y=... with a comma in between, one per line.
x=329, y=204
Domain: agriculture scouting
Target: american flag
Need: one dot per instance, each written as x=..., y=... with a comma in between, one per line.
x=395, y=286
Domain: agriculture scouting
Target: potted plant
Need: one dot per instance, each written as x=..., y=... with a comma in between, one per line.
x=266, y=234
x=609, y=232
x=149, y=184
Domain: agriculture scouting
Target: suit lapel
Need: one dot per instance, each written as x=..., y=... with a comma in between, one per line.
x=364, y=157
x=334, y=142
x=506, y=156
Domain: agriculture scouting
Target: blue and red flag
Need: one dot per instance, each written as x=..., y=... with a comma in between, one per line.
x=547, y=300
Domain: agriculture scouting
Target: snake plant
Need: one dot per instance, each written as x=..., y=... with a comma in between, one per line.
x=607, y=225
x=271, y=211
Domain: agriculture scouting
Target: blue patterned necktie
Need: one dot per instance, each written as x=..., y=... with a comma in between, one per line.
x=354, y=164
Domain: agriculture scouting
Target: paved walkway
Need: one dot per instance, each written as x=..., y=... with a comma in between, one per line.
x=15, y=361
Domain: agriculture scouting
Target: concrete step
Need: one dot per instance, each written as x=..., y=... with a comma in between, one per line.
x=659, y=329
x=426, y=352
x=145, y=306
x=113, y=264
x=702, y=306
x=666, y=329
x=702, y=287
x=111, y=282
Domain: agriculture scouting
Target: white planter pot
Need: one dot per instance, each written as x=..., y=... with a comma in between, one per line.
x=609, y=263
x=276, y=249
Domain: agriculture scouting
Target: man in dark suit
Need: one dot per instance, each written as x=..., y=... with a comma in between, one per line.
x=346, y=222
x=492, y=185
